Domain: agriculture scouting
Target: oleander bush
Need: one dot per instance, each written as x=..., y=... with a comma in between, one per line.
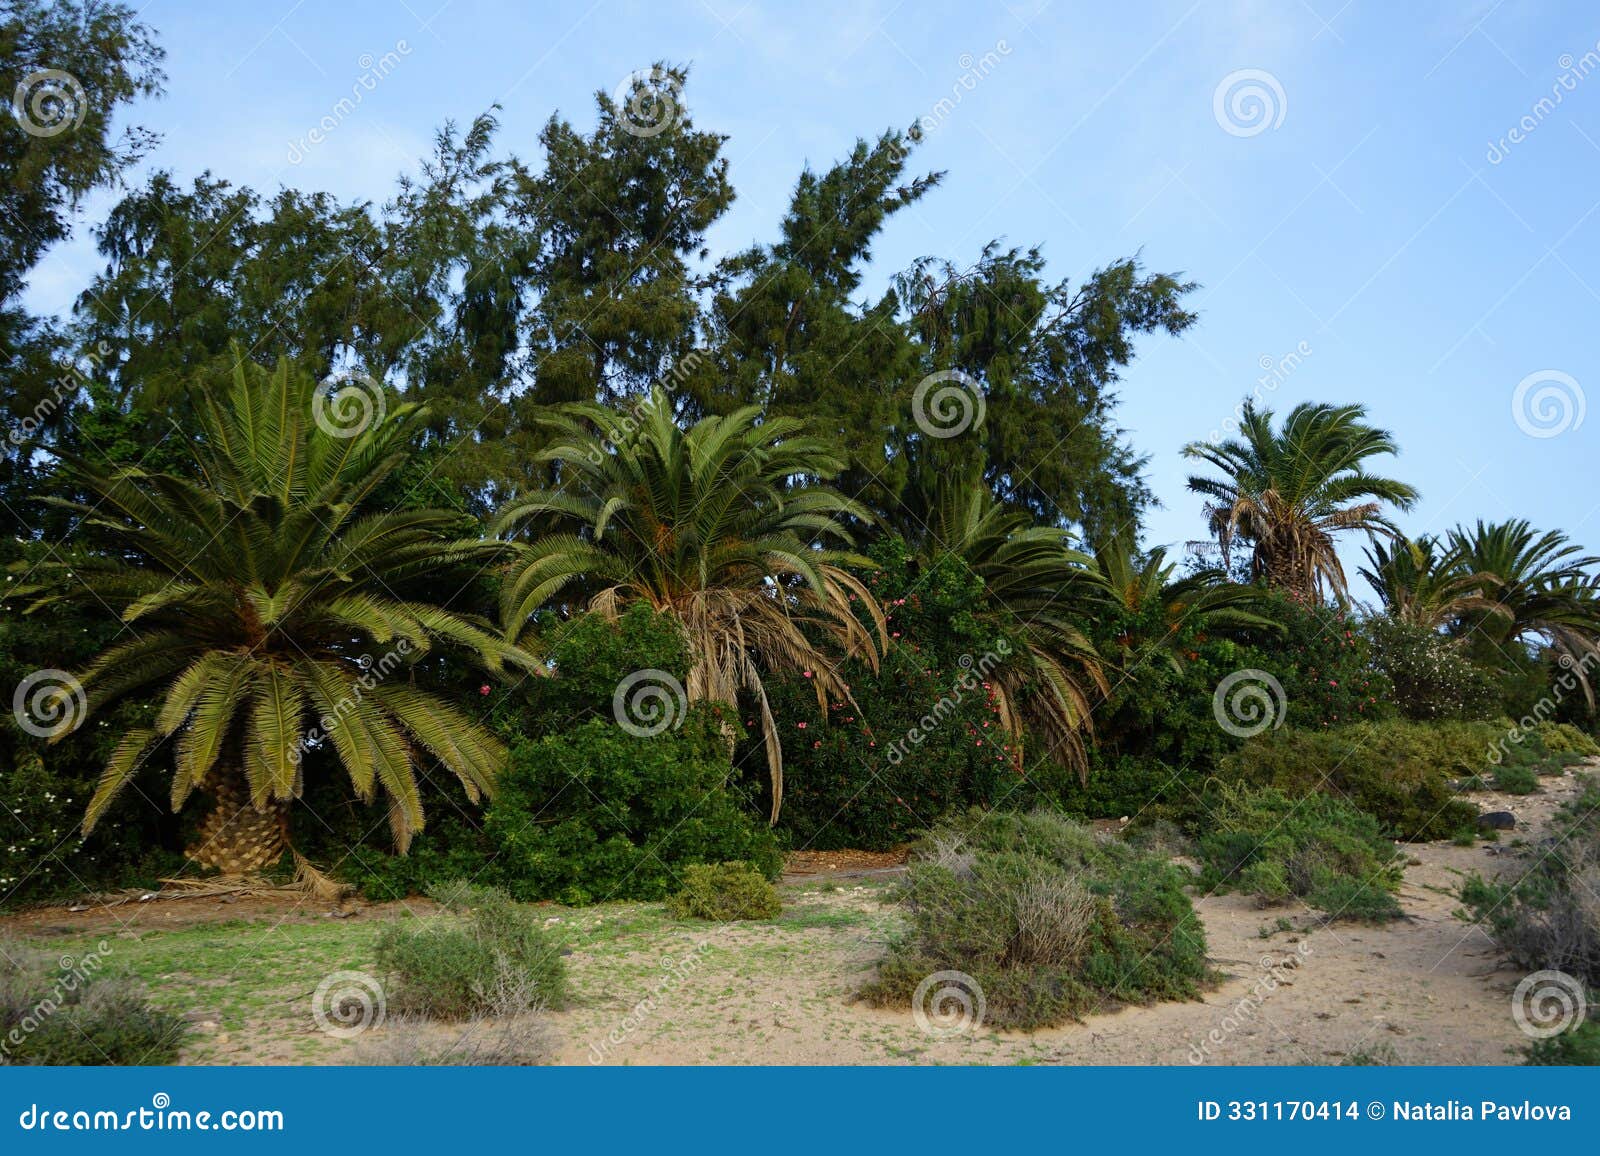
x=1048, y=919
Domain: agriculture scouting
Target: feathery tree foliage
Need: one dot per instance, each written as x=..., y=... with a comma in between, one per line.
x=726, y=526
x=255, y=593
x=1287, y=494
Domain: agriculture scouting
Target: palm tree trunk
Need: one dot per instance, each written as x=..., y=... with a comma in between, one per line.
x=235, y=837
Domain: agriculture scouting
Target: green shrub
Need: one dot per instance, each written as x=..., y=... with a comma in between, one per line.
x=1399, y=772
x=854, y=774
x=1516, y=780
x=1430, y=675
x=76, y=1016
x=597, y=813
x=1318, y=848
x=1048, y=919
x=1566, y=739
x=725, y=892
x=486, y=955
x=1578, y=1047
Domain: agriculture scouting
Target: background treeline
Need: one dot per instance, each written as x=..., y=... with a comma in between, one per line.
x=588, y=448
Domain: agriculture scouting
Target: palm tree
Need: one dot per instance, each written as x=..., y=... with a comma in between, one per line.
x=1289, y=493
x=726, y=526
x=1545, y=587
x=254, y=595
x=1423, y=583
x=1143, y=586
x=1039, y=591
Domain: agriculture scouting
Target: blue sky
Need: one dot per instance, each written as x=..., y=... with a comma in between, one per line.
x=1357, y=220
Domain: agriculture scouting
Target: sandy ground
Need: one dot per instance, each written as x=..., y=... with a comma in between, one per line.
x=1426, y=989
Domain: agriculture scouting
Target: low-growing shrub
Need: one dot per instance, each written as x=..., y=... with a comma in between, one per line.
x=1399, y=772
x=1319, y=848
x=488, y=955
x=1548, y=918
x=508, y=1038
x=1048, y=919
x=725, y=892
x=55, y=1016
x=1577, y=1047
x=1516, y=780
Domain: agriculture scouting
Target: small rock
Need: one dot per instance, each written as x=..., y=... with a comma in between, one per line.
x=1497, y=821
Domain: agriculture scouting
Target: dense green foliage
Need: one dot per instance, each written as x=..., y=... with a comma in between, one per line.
x=596, y=813
x=603, y=454
x=723, y=893
x=1321, y=849
x=1050, y=920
